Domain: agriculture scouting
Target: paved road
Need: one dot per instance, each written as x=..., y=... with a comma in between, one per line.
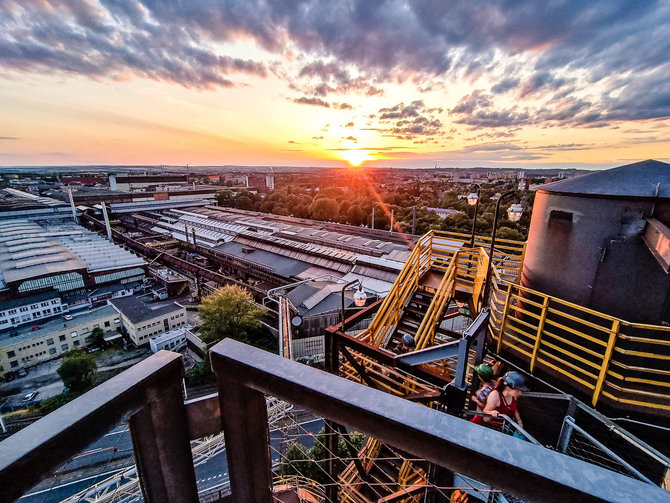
x=96, y=464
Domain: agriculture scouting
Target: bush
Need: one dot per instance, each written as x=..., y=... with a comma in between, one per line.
x=54, y=402
x=200, y=375
x=77, y=370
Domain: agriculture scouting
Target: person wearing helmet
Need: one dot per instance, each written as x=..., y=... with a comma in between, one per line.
x=486, y=383
x=502, y=400
x=407, y=344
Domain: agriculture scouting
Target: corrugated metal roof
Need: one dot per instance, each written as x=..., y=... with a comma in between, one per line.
x=377, y=286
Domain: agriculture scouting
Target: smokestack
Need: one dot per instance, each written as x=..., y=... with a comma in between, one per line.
x=74, y=210
x=373, y=217
x=391, y=228
x=106, y=217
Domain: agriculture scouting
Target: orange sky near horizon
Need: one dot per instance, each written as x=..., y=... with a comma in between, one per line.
x=229, y=95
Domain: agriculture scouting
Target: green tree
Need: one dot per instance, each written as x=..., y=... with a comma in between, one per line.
x=325, y=208
x=224, y=197
x=229, y=312
x=77, y=370
x=296, y=461
x=98, y=337
x=311, y=463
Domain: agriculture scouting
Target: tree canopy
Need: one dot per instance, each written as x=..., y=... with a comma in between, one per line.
x=311, y=463
x=77, y=370
x=97, y=337
x=230, y=312
x=349, y=199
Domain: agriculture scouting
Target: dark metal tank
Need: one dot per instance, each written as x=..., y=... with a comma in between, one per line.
x=586, y=245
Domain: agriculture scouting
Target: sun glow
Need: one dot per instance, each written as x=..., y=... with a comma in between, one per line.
x=355, y=157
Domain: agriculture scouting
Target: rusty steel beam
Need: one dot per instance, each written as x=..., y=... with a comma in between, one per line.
x=159, y=432
x=385, y=357
x=204, y=416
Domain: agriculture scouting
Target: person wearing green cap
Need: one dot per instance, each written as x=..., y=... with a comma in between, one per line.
x=487, y=383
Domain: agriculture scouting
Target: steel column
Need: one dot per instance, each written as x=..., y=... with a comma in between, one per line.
x=538, y=334
x=332, y=438
x=162, y=450
x=245, y=428
x=607, y=357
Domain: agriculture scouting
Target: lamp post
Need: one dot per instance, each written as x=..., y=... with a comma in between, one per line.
x=473, y=200
x=359, y=297
x=513, y=214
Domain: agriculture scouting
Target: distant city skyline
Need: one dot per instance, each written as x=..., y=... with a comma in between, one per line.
x=504, y=84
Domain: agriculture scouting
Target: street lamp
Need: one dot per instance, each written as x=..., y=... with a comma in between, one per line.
x=359, y=297
x=473, y=200
x=514, y=214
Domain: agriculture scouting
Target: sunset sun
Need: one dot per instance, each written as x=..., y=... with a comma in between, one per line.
x=355, y=157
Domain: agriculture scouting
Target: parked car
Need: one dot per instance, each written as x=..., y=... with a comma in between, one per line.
x=22, y=373
x=36, y=327
x=30, y=396
x=68, y=317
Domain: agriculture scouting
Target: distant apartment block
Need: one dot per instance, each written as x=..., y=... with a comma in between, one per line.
x=260, y=181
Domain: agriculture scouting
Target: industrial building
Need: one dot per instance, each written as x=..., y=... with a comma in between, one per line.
x=62, y=256
x=29, y=345
x=29, y=309
x=130, y=183
x=18, y=204
x=288, y=248
x=142, y=320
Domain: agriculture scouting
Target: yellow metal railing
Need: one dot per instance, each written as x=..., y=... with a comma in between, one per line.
x=426, y=332
x=628, y=363
x=436, y=251
x=613, y=359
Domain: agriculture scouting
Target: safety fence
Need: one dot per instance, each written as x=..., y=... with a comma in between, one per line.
x=390, y=450
x=624, y=363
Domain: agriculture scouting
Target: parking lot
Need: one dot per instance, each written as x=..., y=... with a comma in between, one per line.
x=43, y=379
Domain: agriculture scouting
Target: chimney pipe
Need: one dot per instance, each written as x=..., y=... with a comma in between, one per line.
x=74, y=210
x=106, y=217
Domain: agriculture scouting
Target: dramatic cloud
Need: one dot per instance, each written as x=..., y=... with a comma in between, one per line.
x=88, y=38
x=317, y=102
x=407, y=122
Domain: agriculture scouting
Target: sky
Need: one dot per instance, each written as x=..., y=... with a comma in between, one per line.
x=460, y=83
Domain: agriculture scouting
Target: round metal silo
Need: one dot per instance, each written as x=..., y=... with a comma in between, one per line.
x=586, y=245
